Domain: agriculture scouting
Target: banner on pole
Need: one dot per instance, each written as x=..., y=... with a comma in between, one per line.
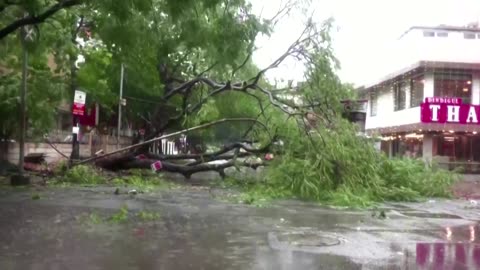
x=79, y=103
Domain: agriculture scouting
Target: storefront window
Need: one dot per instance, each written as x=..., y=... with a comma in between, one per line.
x=453, y=85
x=459, y=147
x=407, y=147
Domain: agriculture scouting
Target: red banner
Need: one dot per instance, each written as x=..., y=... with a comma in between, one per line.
x=78, y=109
x=449, y=110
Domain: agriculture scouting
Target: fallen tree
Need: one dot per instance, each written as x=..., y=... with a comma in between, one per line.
x=270, y=105
x=322, y=157
x=132, y=157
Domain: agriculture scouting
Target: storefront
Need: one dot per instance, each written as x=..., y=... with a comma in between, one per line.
x=448, y=149
x=448, y=134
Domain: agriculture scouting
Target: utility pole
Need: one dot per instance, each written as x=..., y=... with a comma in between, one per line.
x=23, y=94
x=75, y=154
x=120, y=100
x=28, y=34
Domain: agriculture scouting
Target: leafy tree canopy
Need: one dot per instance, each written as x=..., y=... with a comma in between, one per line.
x=158, y=41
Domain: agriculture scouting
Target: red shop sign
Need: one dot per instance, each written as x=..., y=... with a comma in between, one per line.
x=448, y=110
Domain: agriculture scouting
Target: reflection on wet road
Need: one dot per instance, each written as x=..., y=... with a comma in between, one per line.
x=70, y=229
x=456, y=253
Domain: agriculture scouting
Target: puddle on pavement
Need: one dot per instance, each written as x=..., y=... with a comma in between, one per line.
x=467, y=233
x=194, y=232
x=447, y=256
x=458, y=249
x=429, y=215
x=307, y=239
x=175, y=241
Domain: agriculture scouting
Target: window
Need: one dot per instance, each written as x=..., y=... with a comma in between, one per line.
x=451, y=84
x=399, y=96
x=428, y=33
x=373, y=104
x=416, y=91
x=442, y=34
x=469, y=35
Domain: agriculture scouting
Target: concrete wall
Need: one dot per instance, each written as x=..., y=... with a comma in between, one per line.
x=386, y=116
x=11, y=152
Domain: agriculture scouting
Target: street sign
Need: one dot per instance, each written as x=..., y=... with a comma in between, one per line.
x=80, y=97
x=79, y=103
x=29, y=33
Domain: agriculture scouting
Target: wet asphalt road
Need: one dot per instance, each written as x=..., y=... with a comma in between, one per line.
x=70, y=228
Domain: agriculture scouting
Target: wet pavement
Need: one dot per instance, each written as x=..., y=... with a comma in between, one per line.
x=187, y=228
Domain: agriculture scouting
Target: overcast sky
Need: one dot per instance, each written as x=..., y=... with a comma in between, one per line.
x=365, y=28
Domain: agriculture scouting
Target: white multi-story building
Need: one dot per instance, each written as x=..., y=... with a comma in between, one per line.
x=430, y=62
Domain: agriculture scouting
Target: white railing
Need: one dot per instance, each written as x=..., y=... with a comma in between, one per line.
x=165, y=147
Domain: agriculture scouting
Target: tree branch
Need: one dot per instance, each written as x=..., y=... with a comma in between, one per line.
x=34, y=19
x=131, y=147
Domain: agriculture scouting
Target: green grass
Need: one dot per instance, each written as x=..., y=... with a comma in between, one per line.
x=143, y=183
x=83, y=175
x=142, y=180
x=121, y=216
x=250, y=192
x=148, y=215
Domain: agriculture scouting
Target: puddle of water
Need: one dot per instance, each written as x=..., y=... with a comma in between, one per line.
x=200, y=241
x=447, y=256
x=429, y=215
x=467, y=233
x=307, y=239
x=460, y=249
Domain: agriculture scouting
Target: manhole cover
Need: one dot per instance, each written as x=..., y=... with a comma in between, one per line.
x=307, y=239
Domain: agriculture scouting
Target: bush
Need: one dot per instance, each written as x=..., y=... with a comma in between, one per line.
x=143, y=181
x=83, y=174
x=415, y=177
x=335, y=166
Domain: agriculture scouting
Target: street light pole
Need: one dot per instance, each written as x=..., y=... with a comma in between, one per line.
x=119, y=125
x=23, y=93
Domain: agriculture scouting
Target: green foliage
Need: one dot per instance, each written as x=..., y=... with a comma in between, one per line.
x=61, y=167
x=148, y=216
x=343, y=169
x=251, y=192
x=121, y=216
x=143, y=181
x=413, y=178
x=340, y=168
x=93, y=219
x=185, y=36
x=83, y=174
x=327, y=161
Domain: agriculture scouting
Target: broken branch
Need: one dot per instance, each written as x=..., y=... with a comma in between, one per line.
x=171, y=135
